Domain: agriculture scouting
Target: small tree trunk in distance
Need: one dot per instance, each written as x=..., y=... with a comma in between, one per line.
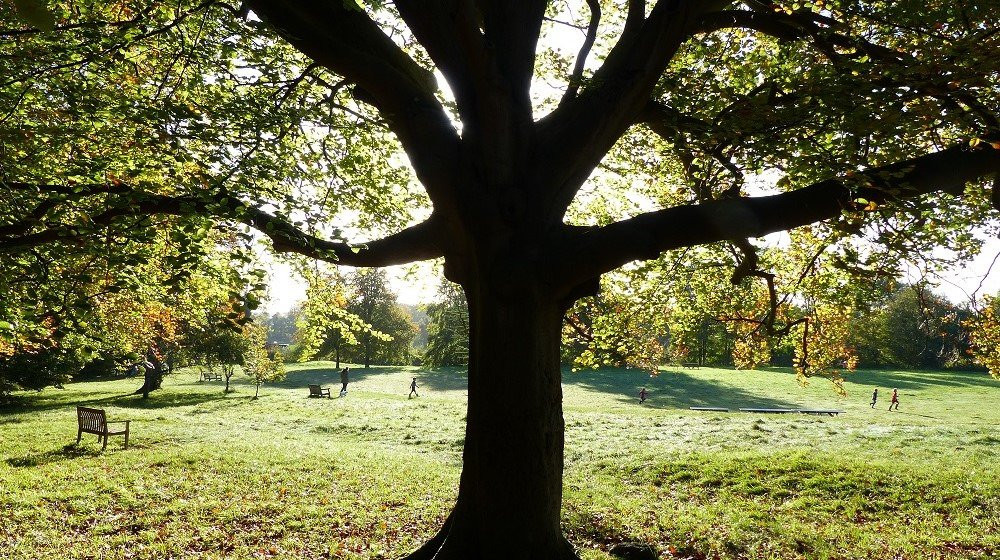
x=510, y=492
x=228, y=372
x=256, y=391
x=368, y=351
x=152, y=380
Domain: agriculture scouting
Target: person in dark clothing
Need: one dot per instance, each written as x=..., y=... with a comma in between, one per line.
x=642, y=395
x=344, y=379
x=895, y=399
x=413, y=388
x=874, y=397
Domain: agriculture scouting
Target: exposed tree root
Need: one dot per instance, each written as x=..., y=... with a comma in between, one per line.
x=446, y=546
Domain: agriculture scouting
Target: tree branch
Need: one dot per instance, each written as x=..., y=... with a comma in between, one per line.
x=575, y=137
x=581, y=57
x=512, y=30
x=348, y=42
x=821, y=30
x=593, y=251
x=419, y=242
x=449, y=30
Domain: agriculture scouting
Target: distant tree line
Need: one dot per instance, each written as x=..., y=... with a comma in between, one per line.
x=897, y=325
x=356, y=318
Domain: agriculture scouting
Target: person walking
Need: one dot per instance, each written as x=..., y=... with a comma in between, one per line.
x=895, y=399
x=344, y=378
x=874, y=397
x=413, y=389
x=642, y=395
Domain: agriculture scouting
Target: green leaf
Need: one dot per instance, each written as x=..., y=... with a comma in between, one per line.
x=35, y=13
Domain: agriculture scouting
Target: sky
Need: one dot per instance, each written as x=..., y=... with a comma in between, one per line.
x=413, y=285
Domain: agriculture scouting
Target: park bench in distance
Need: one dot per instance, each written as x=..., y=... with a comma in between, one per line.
x=209, y=376
x=94, y=421
x=709, y=409
x=790, y=410
x=317, y=391
x=691, y=365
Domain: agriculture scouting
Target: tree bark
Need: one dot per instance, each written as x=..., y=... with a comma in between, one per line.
x=152, y=377
x=510, y=493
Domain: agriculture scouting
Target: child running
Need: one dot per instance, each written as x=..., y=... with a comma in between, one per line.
x=895, y=399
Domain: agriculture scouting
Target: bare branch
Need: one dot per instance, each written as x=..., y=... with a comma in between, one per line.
x=581, y=57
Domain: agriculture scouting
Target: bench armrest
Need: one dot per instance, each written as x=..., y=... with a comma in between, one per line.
x=117, y=421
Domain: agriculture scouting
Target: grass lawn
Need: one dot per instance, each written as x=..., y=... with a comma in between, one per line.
x=373, y=474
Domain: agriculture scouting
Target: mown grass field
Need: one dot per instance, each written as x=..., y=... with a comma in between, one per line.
x=371, y=475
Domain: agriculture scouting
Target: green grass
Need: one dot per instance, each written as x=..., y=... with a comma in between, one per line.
x=371, y=475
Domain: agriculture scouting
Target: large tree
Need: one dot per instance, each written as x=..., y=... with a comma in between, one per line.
x=865, y=111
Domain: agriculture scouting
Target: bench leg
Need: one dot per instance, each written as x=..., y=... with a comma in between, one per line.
x=79, y=434
x=105, y=446
x=126, y=439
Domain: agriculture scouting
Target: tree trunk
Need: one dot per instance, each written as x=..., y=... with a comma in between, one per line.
x=368, y=352
x=510, y=492
x=152, y=379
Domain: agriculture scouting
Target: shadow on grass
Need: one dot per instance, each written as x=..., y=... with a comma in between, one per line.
x=918, y=380
x=329, y=376
x=439, y=379
x=161, y=398
x=671, y=389
x=451, y=378
x=64, y=453
x=910, y=380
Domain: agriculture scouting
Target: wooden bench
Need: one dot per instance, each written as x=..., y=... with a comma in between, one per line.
x=209, y=376
x=791, y=410
x=820, y=411
x=94, y=421
x=691, y=365
x=709, y=409
x=317, y=391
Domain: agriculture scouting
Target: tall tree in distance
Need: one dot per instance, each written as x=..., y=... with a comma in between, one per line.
x=448, y=330
x=389, y=332
x=876, y=117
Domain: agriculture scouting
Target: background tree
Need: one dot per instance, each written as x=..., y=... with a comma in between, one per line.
x=873, y=116
x=281, y=326
x=389, y=331
x=913, y=328
x=261, y=364
x=984, y=329
x=448, y=329
x=326, y=326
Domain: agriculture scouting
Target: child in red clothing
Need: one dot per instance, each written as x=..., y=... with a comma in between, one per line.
x=895, y=399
